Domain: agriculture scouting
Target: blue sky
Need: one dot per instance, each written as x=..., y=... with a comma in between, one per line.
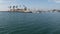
x=38, y=4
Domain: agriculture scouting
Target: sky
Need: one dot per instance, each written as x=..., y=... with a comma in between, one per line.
x=32, y=4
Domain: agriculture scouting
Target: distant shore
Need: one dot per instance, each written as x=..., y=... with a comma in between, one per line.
x=15, y=11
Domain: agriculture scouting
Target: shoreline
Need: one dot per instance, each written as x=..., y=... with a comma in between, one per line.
x=15, y=11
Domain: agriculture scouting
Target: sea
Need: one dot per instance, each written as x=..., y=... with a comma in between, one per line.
x=29, y=23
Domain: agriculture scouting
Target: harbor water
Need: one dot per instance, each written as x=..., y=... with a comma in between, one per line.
x=29, y=23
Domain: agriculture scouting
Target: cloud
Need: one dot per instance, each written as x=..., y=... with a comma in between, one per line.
x=7, y=1
x=56, y=1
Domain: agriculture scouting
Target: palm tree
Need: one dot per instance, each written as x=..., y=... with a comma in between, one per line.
x=16, y=6
x=10, y=7
x=13, y=7
x=25, y=8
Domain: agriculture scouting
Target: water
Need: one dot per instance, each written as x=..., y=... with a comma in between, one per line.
x=29, y=23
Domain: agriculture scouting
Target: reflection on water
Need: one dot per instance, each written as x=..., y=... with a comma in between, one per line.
x=29, y=23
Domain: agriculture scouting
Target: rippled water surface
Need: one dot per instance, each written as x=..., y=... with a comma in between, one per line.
x=29, y=23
